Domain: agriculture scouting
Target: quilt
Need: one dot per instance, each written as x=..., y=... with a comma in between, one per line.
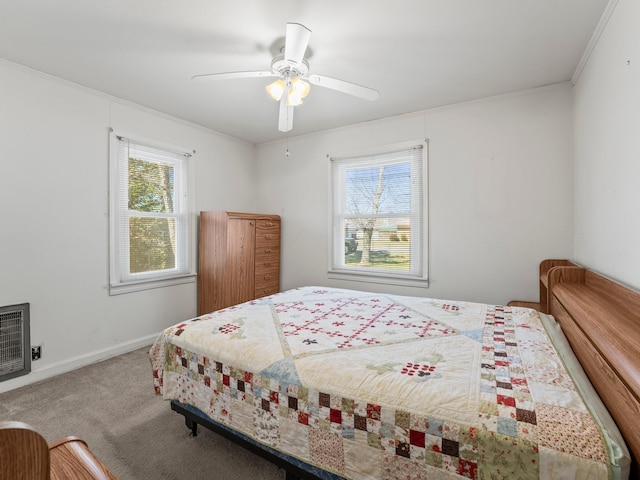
x=381, y=387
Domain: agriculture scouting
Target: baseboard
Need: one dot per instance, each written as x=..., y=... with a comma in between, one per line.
x=75, y=363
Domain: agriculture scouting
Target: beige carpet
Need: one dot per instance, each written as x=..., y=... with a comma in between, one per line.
x=112, y=406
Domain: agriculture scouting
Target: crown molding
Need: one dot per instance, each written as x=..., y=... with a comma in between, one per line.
x=602, y=24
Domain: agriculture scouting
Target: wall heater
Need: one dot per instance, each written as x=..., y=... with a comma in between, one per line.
x=15, y=344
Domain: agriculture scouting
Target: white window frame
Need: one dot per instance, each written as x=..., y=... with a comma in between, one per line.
x=337, y=268
x=121, y=280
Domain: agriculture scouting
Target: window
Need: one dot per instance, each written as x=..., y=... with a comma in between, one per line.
x=151, y=232
x=379, y=217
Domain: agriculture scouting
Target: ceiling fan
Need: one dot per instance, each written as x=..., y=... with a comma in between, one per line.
x=292, y=69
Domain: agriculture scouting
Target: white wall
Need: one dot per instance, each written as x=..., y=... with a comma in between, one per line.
x=607, y=164
x=54, y=224
x=500, y=193
x=500, y=200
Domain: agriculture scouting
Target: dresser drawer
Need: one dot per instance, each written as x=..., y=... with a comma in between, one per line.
x=267, y=288
x=267, y=234
x=264, y=225
x=263, y=275
x=267, y=253
x=267, y=262
x=267, y=240
x=267, y=259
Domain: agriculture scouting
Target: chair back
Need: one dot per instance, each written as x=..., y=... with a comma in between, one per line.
x=24, y=453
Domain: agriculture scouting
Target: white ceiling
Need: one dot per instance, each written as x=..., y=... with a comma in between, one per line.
x=418, y=53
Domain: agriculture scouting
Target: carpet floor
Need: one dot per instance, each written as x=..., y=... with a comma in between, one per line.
x=112, y=406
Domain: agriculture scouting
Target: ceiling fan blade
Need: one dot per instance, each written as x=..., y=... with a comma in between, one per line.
x=285, y=119
x=345, y=87
x=231, y=75
x=295, y=43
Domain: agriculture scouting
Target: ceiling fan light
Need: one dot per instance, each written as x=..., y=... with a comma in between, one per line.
x=276, y=89
x=293, y=100
x=300, y=87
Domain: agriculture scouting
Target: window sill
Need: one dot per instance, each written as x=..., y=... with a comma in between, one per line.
x=381, y=279
x=150, y=284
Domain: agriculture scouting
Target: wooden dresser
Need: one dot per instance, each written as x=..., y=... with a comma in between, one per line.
x=239, y=258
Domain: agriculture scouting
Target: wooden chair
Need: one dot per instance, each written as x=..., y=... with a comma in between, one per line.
x=25, y=455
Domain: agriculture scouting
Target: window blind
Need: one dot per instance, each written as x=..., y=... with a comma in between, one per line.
x=378, y=201
x=153, y=231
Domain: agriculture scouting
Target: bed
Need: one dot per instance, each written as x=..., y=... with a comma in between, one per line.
x=333, y=383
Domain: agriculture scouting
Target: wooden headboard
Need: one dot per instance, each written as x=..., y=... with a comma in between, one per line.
x=601, y=320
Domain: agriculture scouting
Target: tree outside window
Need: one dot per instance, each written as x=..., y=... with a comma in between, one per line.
x=378, y=205
x=152, y=238
x=150, y=217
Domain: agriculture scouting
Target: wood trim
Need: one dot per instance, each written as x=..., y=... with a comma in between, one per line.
x=549, y=263
x=522, y=303
x=24, y=453
x=71, y=459
x=601, y=320
x=565, y=275
x=547, y=268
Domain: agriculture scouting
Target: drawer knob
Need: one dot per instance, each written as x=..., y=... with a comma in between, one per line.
x=267, y=250
x=268, y=236
x=267, y=277
x=268, y=224
x=267, y=264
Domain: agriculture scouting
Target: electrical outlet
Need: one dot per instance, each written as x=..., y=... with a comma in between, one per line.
x=36, y=352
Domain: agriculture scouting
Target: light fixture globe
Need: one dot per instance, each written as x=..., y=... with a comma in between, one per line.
x=276, y=89
x=299, y=89
x=290, y=82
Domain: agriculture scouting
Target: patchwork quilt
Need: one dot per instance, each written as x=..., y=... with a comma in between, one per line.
x=378, y=386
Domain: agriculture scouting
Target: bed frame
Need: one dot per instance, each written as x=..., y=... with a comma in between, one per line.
x=295, y=469
x=601, y=320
